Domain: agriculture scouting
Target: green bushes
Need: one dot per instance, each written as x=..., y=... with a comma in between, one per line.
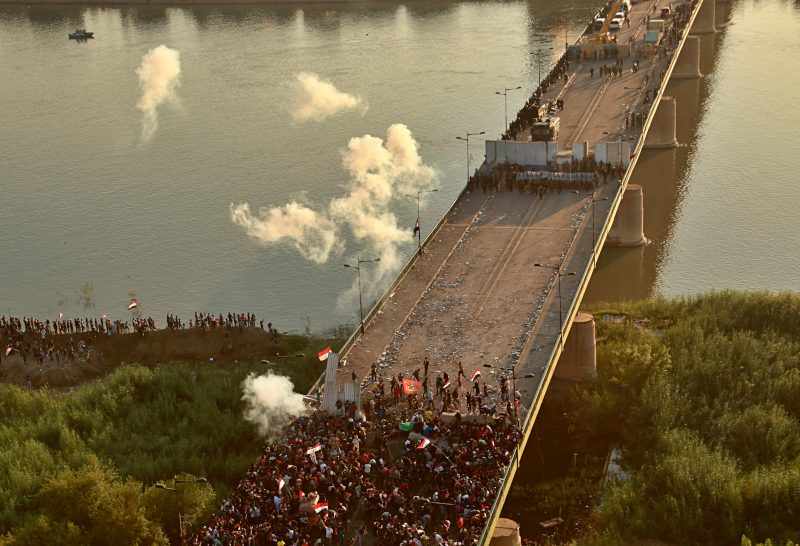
x=708, y=415
x=142, y=425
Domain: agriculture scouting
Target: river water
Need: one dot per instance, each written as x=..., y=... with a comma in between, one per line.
x=86, y=199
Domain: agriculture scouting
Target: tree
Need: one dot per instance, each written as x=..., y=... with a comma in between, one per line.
x=89, y=506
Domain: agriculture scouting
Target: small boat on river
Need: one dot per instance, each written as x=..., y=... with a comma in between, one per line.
x=80, y=34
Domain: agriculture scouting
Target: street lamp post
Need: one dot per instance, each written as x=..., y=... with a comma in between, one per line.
x=538, y=53
x=594, y=261
x=419, y=229
x=467, y=139
x=177, y=497
x=360, y=305
x=505, y=99
x=560, y=318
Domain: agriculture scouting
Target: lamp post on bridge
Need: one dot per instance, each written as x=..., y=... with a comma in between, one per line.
x=467, y=139
x=361, y=305
x=538, y=56
x=505, y=99
x=560, y=318
x=594, y=259
x=417, y=227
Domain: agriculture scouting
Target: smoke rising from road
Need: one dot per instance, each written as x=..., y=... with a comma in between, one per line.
x=158, y=76
x=379, y=172
x=318, y=99
x=271, y=401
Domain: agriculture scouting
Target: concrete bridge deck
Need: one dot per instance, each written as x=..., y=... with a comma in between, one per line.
x=475, y=296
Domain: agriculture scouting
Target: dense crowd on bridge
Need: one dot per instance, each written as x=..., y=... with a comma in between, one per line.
x=332, y=480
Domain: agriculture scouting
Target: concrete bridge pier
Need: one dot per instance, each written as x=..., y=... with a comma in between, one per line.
x=662, y=129
x=628, y=226
x=506, y=533
x=688, y=63
x=704, y=21
x=578, y=361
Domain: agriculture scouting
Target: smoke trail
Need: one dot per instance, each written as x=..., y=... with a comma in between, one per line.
x=271, y=401
x=319, y=99
x=313, y=235
x=379, y=172
x=158, y=76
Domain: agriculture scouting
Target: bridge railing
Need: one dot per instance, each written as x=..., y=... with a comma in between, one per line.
x=541, y=388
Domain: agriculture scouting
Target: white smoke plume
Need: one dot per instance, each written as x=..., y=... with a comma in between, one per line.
x=271, y=401
x=318, y=99
x=310, y=233
x=379, y=172
x=158, y=76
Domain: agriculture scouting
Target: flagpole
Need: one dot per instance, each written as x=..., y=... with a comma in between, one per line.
x=417, y=227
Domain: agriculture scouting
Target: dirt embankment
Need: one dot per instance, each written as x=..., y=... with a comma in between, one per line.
x=158, y=347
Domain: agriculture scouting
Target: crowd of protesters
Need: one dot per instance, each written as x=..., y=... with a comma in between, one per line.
x=326, y=472
x=45, y=341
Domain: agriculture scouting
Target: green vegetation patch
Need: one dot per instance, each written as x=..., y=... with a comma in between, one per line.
x=707, y=414
x=106, y=444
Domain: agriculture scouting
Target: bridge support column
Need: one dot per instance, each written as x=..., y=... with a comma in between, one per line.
x=628, y=226
x=506, y=533
x=704, y=22
x=662, y=130
x=688, y=63
x=578, y=360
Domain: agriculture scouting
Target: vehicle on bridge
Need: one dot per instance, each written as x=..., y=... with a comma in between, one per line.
x=546, y=130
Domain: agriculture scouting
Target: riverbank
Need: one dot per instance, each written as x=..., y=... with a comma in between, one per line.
x=160, y=347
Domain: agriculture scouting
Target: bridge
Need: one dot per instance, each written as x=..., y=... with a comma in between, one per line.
x=498, y=282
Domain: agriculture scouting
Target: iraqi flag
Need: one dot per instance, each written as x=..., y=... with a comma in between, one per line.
x=8, y=350
x=416, y=227
x=313, y=449
x=424, y=443
x=301, y=495
x=475, y=375
x=492, y=440
x=281, y=483
x=133, y=304
x=61, y=315
x=446, y=385
x=324, y=354
x=438, y=468
x=104, y=316
x=320, y=507
x=489, y=429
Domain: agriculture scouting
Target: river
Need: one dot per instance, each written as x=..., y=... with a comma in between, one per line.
x=88, y=203
x=87, y=200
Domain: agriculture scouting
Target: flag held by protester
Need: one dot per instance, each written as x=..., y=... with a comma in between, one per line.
x=313, y=449
x=424, y=443
x=476, y=374
x=324, y=354
x=320, y=507
x=411, y=387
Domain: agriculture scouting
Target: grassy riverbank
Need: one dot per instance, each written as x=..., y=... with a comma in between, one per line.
x=106, y=444
x=703, y=399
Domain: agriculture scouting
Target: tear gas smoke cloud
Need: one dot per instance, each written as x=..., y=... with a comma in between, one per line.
x=158, y=76
x=379, y=172
x=318, y=99
x=271, y=401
